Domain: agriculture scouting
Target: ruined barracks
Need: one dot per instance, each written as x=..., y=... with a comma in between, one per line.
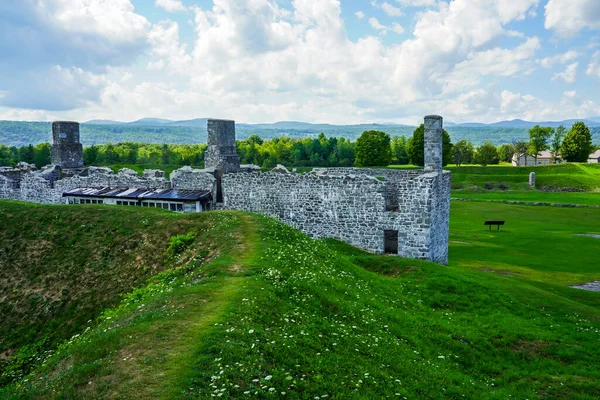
x=404, y=212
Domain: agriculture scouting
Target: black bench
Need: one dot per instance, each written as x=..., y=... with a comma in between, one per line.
x=497, y=223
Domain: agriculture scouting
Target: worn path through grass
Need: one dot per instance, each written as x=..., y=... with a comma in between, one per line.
x=142, y=369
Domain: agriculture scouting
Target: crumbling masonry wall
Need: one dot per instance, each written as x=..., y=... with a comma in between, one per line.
x=37, y=187
x=351, y=205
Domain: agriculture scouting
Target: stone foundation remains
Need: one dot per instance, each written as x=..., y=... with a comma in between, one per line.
x=405, y=212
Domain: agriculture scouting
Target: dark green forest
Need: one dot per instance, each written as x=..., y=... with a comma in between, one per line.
x=24, y=133
x=318, y=151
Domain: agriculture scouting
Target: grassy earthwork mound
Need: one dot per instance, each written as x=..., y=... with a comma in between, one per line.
x=140, y=303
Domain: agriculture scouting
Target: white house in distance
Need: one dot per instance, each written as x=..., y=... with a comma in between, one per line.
x=594, y=157
x=527, y=160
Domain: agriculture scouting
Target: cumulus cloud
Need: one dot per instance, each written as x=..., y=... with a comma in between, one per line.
x=171, y=5
x=593, y=68
x=375, y=24
x=563, y=58
x=398, y=28
x=64, y=45
x=568, y=17
x=257, y=61
x=416, y=3
x=255, y=57
x=568, y=75
x=391, y=10
x=359, y=14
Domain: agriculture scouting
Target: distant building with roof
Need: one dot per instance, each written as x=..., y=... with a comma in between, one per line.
x=594, y=157
x=543, y=158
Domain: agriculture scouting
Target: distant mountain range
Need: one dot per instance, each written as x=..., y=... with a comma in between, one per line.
x=156, y=130
x=202, y=122
x=295, y=125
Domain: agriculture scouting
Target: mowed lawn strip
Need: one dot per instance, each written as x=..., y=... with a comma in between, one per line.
x=537, y=243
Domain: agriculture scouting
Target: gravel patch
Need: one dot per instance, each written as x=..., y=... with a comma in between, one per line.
x=593, y=235
x=592, y=286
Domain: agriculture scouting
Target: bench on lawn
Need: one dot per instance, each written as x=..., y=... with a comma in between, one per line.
x=497, y=223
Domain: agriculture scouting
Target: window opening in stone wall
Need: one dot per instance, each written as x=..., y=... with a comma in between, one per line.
x=391, y=200
x=390, y=244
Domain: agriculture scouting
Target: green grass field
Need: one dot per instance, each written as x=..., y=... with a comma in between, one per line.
x=250, y=308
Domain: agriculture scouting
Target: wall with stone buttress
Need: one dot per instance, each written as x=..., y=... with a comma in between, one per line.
x=340, y=207
x=440, y=219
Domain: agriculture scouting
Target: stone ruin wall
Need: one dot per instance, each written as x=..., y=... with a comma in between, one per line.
x=194, y=179
x=47, y=187
x=351, y=205
x=417, y=199
x=35, y=187
x=341, y=207
x=348, y=204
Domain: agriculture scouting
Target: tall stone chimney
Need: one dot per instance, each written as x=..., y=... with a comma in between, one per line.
x=66, y=150
x=222, y=152
x=433, y=142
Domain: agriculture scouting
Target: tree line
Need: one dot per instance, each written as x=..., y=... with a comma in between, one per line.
x=372, y=148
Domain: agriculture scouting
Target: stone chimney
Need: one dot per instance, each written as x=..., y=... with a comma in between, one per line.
x=222, y=152
x=66, y=150
x=433, y=142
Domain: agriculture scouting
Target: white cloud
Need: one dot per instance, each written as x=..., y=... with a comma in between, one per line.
x=256, y=61
x=570, y=93
x=58, y=51
x=558, y=58
x=593, y=68
x=568, y=75
x=359, y=14
x=156, y=65
x=398, y=28
x=567, y=17
x=171, y=5
x=376, y=25
x=416, y=3
x=112, y=19
x=391, y=10
x=14, y=114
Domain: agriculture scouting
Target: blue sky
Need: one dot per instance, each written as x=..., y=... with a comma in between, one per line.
x=326, y=61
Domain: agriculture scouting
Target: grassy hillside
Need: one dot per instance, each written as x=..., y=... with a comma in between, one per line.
x=561, y=177
x=62, y=266
x=253, y=308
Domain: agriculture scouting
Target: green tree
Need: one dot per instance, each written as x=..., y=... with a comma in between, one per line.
x=416, y=151
x=538, y=139
x=520, y=148
x=462, y=152
x=577, y=145
x=27, y=154
x=505, y=152
x=42, y=154
x=556, y=144
x=373, y=148
x=399, y=152
x=90, y=154
x=487, y=154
